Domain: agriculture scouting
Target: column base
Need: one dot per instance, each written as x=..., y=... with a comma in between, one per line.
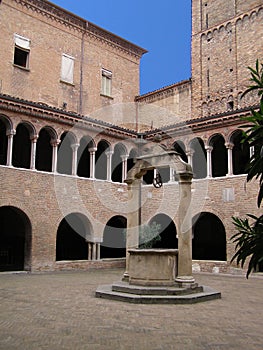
x=186, y=281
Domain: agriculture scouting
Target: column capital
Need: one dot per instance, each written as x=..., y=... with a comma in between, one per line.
x=74, y=146
x=34, y=138
x=109, y=153
x=11, y=132
x=92, y=149
x=229, y=145
x=124, y=157
x=55, y=143
x=209, y=148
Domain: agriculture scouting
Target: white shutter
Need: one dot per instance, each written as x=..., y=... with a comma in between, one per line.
x=67, y=68
x=20, y=41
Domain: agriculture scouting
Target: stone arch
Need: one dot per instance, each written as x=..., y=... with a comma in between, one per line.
x=73, y=234
x=240, y=153
x=44, y=149
x=179, y=147
x=117, y=169
x=209, y=237
x=198, y=158
x=86, y=144
x=114, y=238
x=218, y=155
x=65, y=153
x=168, y=232
x=101, y=160
x=5, y=128
x=25, y=132
x=15, y=239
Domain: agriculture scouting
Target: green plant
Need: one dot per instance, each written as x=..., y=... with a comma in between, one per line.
x=249, y=242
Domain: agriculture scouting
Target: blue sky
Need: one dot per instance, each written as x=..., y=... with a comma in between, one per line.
x=161, y=27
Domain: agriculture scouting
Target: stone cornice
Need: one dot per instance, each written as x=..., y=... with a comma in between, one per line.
x=56, y=115
x=75, y=22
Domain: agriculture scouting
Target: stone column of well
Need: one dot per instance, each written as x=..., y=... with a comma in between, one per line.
x=209, y=150
x=74, y=147
x=133, y=220
x=92, y=162
x=10, y=139
x=124, y=167
x=33, y=152
x=229, y=147
x=184, y=276
x=109, y=164
x=54, y=144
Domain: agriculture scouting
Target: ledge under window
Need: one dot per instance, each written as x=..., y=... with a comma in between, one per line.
x=107, y=96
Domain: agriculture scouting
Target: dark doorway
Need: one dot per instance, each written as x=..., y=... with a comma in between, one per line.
x=199, y=158
x=21, y=147
x=64, y=165
x=15, y=240
x=101, y=160
x=241, y=154
x=219, y=156
x=72, y=234
x=209, y=238
x=168, y=232
x=44, y=151
x=114, y=239
x=84, y=157
x=3, y=143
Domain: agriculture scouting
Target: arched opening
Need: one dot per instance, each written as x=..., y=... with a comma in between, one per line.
x=22, y=147
x=199, y=158
x=15, y=240
x=168, y=232
x=117, y=163
x=101, y=160
x=209, y=238
x=240, y=153
x=72, y=235
x=3, y=143
x=114, y=238
x=44, y=151
x=130, y=161
x=65, y=153
x=179, y=147
x=219, y=156
x=84, y=157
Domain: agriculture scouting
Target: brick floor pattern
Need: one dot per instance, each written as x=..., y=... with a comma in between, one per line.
x=56, y=311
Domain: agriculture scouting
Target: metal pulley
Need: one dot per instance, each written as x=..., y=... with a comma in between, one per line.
x=157, y=180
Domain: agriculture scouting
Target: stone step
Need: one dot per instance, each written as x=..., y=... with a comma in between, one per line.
x=106, y=292
x=125, y=287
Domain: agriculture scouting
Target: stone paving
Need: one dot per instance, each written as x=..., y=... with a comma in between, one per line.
x=56, y=311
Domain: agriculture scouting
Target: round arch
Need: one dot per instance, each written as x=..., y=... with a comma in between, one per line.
x=119, y=151
x=199, y=158
x=15, y=239
x=86, y=143
x=218, y=155
x=73, y=234
x=114, y=239
x=3, y=141
x=65, y=153
x=44, y=149
x=209, y=237
x=22, y=145
x=168, y=232
x=101, y=160
x=240, y=153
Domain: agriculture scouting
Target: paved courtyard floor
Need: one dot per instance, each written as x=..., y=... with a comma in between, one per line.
x=56, y=311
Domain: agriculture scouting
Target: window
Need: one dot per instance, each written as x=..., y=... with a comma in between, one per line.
x=67, y=69
x=106, y=82
x=21, y=52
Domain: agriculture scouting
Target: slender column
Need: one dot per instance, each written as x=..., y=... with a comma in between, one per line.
x=172, y=175
x=109, y=164
x=209, y=150
x=89, y=251
x=92, y=162
x=124, y=167
x=190, y=154
x=54, y=144
x=33, y=152
x=185, y=231
x=132, y=235
x=229, y=147
x=74, y=147
x=10, y=139
x=94, y=251
x=98, y=251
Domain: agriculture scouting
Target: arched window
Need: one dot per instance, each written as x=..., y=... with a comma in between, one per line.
x=3, y=143
x=219, y=156
x=199, y=158
x=114, y=239
x=15, y=239
x=84, y=157
x=168, y=232
x=240, y=153
x=179, y=147
x=65, y=153
x=101, y=160
x=22, y=147
x=72, y=235
x=117, y=163
x=44, y=151
x=209, y=238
